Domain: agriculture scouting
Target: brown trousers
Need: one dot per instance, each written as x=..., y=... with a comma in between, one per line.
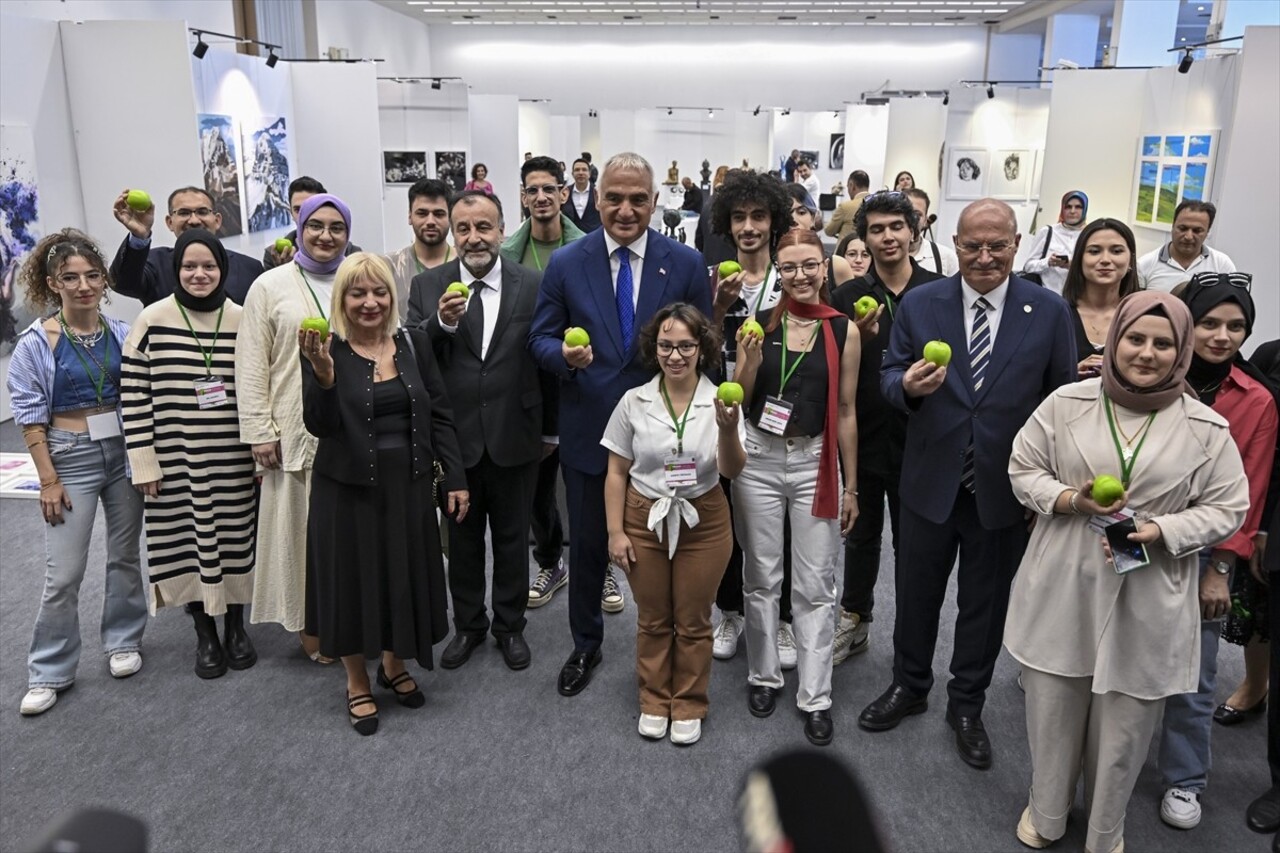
x=673, y=602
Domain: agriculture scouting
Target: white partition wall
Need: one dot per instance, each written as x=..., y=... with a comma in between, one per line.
x=617, y=134
x=495, y=141
x=866, y=141
x=535, y=130
x=917, y=127
x=690, y=137
x=566, y=140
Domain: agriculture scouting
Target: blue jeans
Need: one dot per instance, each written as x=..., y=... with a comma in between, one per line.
x=1184, y=757
x=90, y=471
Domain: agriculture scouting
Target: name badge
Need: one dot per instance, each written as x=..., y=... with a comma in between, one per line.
x=211, y=392
x=776, y=415
x=680, y=469
x=1099, y=523
x=103, y=425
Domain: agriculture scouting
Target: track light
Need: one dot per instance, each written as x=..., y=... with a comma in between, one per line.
x=669, y=111
x=272, y=59
x=1185, y=65
x=946, y=98
x=201, y=47
x=787, y=111
x=711, y=113
x=435, y=83
x=991, y=90
x=757, y=110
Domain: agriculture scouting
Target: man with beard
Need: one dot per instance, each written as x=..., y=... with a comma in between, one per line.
x=147, y=274
x=581, y=208
x=429, y=219
x=1186, y=253
x=504, y=410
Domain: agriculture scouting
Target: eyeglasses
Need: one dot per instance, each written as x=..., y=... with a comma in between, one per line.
x=315, y=228
x=686, y=348
x=188, y=212
x=791, y=270
x=1242, y=280
x=546, y=189
x=997, y=248
x=71, y=279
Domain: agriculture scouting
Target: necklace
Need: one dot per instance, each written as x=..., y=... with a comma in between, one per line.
x=1127, y=453
x=376, y=358
x=87, y=341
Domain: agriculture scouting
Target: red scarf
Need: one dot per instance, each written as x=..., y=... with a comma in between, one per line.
x=826, y=503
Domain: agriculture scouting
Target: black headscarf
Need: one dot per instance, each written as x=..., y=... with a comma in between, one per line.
x=214, y=300
x=1205, y=292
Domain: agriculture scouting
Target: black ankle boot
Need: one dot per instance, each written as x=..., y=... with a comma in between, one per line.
x=210, y=661
x=235, y=640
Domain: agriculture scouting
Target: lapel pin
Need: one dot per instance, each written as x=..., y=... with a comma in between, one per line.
x=662, y=270
x=1026, y=308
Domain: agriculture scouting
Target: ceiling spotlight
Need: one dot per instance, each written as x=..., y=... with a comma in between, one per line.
x=757, y=110
x=201, y=47
x=991, y=90
x=1185, y=65
x=272, y=59
x=835, y=114
x=946, y=98
x=787, y=111
x=435, y=83
x=669, y=111
x=711, y=113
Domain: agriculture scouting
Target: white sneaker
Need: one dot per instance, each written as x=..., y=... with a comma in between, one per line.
x=786, y=646
x=125, y=664
x=724, y=642
x=685, y=732
x=851, y=637
x=37, y=701
x=1180, y=808
x=652, y=726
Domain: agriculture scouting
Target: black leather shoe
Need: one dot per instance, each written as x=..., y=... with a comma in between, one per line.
x=575, y=675
x=762, y=700
x=1263, y=814
x=1225, y=715
x=515, y=651
x=894, y=705
x=971, y=740
x=817, y=727
x=236, y=644
x=460, y=648
x=211, y=661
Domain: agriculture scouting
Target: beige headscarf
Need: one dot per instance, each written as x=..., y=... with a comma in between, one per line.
x=1173, y=385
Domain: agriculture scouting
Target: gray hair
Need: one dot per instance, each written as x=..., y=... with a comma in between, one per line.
x=631, y=162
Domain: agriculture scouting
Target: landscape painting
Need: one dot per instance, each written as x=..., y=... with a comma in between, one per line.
x=1170, y=179
x=266, y=175
x=1199, y=145
x=1172, y=168
x=1148, y=174
x=1150, y=146
x=221, y=170
x=1173, y=146
x=1195, y=176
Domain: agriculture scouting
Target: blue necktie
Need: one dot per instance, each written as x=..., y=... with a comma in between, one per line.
x=626, y=304
x=979, y=355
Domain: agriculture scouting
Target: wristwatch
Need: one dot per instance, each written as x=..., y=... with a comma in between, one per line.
x=1222, y=567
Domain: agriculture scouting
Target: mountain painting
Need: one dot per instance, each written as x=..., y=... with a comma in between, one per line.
x=266, y=175
x=221, y=170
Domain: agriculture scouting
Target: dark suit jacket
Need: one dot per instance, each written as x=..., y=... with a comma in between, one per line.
x=502, y=403
x=147, y=274
x=577, y=290
x=1034, y=353
x=590, y=219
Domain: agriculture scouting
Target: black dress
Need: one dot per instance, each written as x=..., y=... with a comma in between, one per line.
x=375, y=571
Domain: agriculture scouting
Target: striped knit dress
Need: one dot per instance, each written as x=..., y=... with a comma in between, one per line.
x=200, y=528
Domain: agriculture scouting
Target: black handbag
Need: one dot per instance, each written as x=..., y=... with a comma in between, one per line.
x=1035, y=276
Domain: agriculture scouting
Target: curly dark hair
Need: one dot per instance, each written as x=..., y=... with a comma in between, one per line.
x=742, y=188
x=886, y=201
x=1073, y=288
x=48, y=258
x=708, y=335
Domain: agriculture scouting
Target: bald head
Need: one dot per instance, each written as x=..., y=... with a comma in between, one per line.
x=988, y=209
x=986, y=243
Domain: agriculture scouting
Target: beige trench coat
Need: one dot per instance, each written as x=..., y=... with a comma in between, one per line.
x=1070, y=614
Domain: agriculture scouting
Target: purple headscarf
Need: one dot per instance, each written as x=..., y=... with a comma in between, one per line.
x=309, y=207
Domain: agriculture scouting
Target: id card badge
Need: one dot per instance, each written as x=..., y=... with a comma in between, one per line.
x=103, y=425
x=680, y=469
x=211, y=392
x=1099, y=523
x=776, y=415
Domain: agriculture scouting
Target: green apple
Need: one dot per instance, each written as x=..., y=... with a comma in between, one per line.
x=283, y=244
x=577, y=337
x=1107, y=490
x=138, y=200
x=459, y=287
x=728, y=268
x=937, y=352
x=318, y=324
x=865, y=306
x=730, y=393
x=751, y=327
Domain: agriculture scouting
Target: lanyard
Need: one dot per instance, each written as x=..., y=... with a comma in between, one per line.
x=421, y=268
x=764, y=288
x=787, y=374
x=208, y=354
x=101, y=381
x=312, y=290
x=1129, y=459
x=533, y=244
x=678, y=422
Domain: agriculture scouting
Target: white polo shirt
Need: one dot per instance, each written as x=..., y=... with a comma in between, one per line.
x=1159, y=271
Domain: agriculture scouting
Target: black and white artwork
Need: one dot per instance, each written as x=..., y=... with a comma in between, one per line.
x=451, y=167
x=1011, y=170
x=966, y=173
x=403, y=167
x=266, y=174
x=835, y=152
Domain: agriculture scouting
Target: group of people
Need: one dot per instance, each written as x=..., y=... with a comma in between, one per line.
x=321, y=439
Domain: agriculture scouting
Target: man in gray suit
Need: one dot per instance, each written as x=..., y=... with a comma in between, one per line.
x=505, y=415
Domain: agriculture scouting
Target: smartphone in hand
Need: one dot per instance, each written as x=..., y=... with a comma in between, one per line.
x=1126, y=555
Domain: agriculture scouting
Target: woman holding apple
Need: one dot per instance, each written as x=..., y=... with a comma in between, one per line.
x=1103, y=642
x=374, y=398
x=1102, y=272
x=182, y=434
x=799, y=381
x=670, y=440
x=269, y=390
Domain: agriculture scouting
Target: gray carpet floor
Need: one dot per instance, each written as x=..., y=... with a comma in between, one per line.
x=265, y=760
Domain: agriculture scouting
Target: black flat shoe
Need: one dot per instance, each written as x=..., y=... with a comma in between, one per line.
x=762, y=700
x=575, y=675
x=818, y=727
x=894, y=705
x=971, y=740
x=515, y=651
x=411, y=697
x=460, y=648
x=1225, y=715
x=367, y=724
x=1263, y=814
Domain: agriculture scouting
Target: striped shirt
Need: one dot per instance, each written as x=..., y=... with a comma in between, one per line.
x=32, y=368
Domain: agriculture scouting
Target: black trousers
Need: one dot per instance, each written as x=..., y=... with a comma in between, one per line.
x=1273, y=701
x=729, y=594
x=588, y=556
x=988, y=561
x=500, y=500
x=862, y=545
x=548, y=530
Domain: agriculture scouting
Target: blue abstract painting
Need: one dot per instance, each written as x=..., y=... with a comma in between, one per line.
x=19, y=224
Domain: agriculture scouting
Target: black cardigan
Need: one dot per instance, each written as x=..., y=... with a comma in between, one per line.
x=342, y=416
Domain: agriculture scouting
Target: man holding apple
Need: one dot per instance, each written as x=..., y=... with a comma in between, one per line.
x=1013, y=346
x=146, y=273
x=429, y=218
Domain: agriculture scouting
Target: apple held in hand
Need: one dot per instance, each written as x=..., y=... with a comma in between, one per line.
x=865, y=306
x=1107, y=490
x=459, y=287
x=577, y=337
x=317, y=324
x=283, y=244
x=937, y=352
x=729, y=393
x=753, y=328
x=138, y=200
x=728, y=268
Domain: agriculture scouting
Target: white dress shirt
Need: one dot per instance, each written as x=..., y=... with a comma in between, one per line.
x=1159, y=271
x=812, y=186
x=490, y=295
x=580, y=198
x=995, y=299
x=946, y=254
x=637, y=262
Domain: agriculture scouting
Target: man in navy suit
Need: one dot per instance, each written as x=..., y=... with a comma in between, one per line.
x=1012, y=346
x=609, y=283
